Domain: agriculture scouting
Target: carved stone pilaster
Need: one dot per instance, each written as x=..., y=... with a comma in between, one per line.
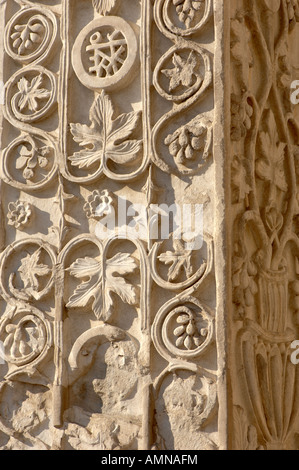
x=148, y=224
x=263, y=153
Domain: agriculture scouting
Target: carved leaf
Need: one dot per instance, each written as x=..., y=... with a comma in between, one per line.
x=271, y=166
x=245, y=435
x=183, y=71
x=30, y=270
x=180, y=259
x=31, y=92
x=104, y=6
x=93, y=286
x=105, y=138
x=241, y=428
x=274, y=219
x=239, y=178
x=122, y=263
x=240, y=47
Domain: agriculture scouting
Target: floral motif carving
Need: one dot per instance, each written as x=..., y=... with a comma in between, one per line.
x=182, y=17
x=179, y=259
x=106, y=138
x=187, y=333
x=183, y=71
x=241, y=111
x=92, y=270
x=187, y=9
x=191, y=337
x=31, y=94
x=264, y=196
x=29, y=162
x=186, y=76
x=99, y=204
x=105, y=7
x=183, y=76
x=19, y=214
x=26, y=336
x=78, y=304
x=30, y=272
x=26, y=36
x=30, y=34
x=187, y=143
x=32, y=279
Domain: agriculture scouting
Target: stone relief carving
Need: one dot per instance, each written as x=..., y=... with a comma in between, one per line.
x=30, y=34
x=101, y=138
x=101, y=336
x=264, y=208
x=19, y=214
x=114, y=342
x=110, y=56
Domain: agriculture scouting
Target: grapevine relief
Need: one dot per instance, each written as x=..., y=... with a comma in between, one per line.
x=264, y=206
x=81, y=312
x=84, y=268
x=107, y=138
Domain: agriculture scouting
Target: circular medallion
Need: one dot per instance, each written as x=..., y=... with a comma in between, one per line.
x=28, y=163
x=26, y=336
x=181, y=73
x=30, y=34
x=31, y=94
x=105, y=54
x=183, y=331
x=27, y=270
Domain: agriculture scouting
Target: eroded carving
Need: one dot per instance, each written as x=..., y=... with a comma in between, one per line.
x=82, y=310
x=264, y=207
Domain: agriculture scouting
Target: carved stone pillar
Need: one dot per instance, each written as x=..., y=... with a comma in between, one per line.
x=264, y=224
x=148, y=237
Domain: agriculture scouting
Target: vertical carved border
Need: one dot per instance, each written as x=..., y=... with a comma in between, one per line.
x=222, y=221
x=183, y=296
x=264, y=239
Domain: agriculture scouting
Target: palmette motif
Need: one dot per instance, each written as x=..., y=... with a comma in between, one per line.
x=81, y=313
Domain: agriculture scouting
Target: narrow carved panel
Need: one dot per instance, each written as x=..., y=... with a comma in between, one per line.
x=107, y=271
x=264, y=135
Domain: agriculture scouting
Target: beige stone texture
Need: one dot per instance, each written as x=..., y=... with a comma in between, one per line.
x=120, y=119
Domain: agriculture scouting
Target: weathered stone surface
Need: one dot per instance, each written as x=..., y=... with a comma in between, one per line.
x=123, y=327
x=263, y=222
